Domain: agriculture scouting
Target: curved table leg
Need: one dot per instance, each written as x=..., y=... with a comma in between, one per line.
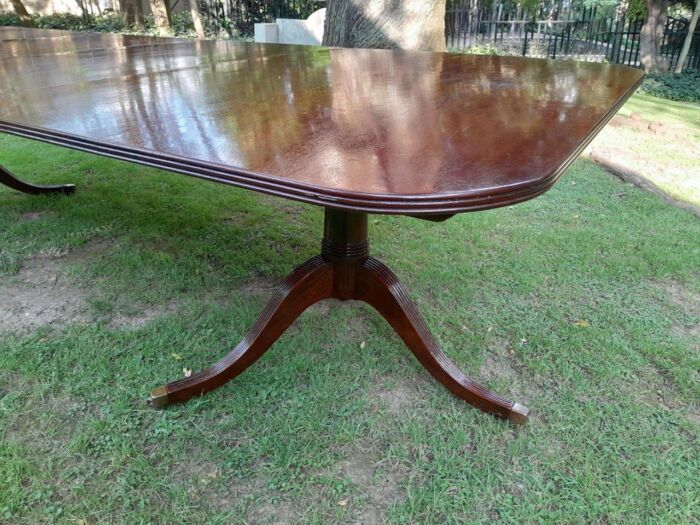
x=343, y=271
x=381, y=289
x=8, y=179
x=309, y=283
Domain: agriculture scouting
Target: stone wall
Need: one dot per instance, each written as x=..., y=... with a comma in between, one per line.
x=287, y=31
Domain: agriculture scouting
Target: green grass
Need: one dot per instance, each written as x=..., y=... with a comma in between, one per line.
x=668, y=157
x=586, y=298
x=667, y=111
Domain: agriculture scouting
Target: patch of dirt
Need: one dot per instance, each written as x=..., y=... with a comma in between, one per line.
x=630, y=167
x=500, y=363
x=681, y=296
x=636, y=122
x=145, y=316
x=263, y=286
x=689, y=302
x=201, y=474
x=324, y=307
x=279, y=513
x=656, y=389
x=398, y=398
x=32, y=215
x=358, y=326
x=41, y=294
x=238, y=218
x=687, y=332
x=380, y=487
x=622, y=148
x=236, y=489
x=290, y=208
x=523, y=386
x=401, y=396
x=203, y=478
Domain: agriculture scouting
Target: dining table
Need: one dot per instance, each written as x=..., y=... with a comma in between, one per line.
x=358, y=132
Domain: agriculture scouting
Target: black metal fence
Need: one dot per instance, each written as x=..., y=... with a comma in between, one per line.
x=557, y=32
x=581, y=35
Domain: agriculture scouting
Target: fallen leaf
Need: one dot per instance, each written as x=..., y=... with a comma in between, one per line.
x=187, y=372
x=343, y=502
x=177, y=357
x=362, y=345
x=582, y=323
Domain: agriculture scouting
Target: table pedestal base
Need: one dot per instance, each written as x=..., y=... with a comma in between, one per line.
x=344, y=270
x=8, y=179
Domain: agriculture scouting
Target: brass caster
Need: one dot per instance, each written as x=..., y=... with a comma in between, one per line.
x=159, y=398
x=519, y=414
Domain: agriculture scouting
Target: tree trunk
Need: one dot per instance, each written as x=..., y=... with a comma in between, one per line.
x=688, y=38
x=405, y=24
x=651, y=37
x=24, y=18
x=84, y=9
x=197, y=18
x=161, y=16
x=127, y=9
x=139, y=22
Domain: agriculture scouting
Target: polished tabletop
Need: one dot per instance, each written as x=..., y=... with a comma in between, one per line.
x=377, y=131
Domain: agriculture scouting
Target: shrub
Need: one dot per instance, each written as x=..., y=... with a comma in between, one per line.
x=107, y=23
x=9, y=19
x=182, y=24
x=61, y=21
x=111, y=23
x=482, y=49
x=684, y=87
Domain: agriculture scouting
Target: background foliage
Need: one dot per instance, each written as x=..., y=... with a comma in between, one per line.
x=112, y=23
x=684, y=87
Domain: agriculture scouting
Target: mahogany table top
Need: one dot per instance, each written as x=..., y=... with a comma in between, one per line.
x=375, y=131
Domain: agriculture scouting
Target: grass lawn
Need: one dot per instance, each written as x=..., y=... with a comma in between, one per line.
x=583, y=304
x=668, y=155
x=666, y=111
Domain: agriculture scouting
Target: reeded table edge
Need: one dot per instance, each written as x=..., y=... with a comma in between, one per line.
x=377, y=203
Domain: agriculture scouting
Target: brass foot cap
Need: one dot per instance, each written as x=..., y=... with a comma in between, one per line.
x=519, y=414
x=159, y=398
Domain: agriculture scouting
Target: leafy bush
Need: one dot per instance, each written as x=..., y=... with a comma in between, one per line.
x=684, y=87
x=111, y=23
x=182, y=24
x=9, y=19
x=482, y=49
x=61, y=21
x=108, y=23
